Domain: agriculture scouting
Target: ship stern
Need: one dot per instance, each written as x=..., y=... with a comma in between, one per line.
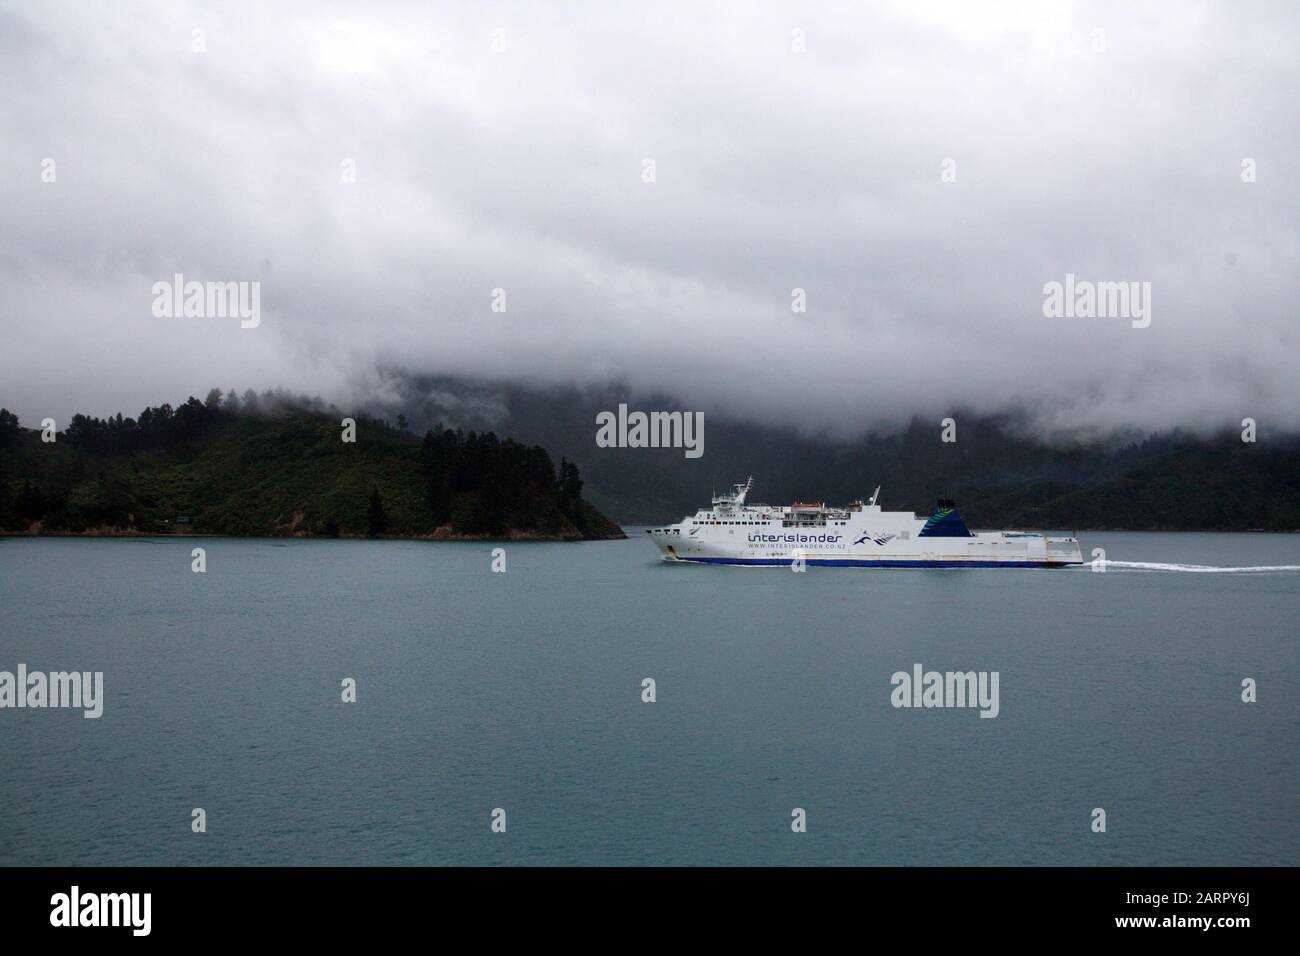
x=1064, y=551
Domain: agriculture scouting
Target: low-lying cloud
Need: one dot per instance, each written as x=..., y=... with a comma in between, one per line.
x=921, y=172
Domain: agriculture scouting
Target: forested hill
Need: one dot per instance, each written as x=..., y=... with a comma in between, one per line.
x=276, y=466
x=1002, y=474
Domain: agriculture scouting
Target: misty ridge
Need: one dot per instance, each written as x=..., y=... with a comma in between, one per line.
x=857, y=225
x=1003, y=473
x=838, y=234
x=1002, y=468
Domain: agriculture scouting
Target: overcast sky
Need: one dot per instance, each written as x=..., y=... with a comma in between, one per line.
x=1116, y=156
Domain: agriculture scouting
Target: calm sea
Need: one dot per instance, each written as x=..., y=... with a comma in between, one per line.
x=522, y=691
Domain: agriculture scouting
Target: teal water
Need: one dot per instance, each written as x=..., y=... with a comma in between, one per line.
x=522, y=690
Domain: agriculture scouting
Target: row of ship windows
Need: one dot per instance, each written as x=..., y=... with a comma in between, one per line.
x=786, y=524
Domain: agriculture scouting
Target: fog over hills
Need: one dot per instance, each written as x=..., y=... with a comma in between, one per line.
x=128, y=473
x=1004, y=472
x=656, y=189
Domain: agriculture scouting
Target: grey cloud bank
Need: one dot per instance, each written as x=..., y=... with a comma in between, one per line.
x=513, y=160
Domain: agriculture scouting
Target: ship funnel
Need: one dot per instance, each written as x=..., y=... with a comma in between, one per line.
x=945, y=522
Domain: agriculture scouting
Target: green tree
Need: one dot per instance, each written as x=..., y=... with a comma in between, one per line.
x=31, y=503
x=376, y=520
x=570, y=481
x=437, y=452
x=8, y=428
x=570, y=487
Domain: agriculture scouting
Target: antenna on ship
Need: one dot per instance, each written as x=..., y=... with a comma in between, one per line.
x=874, y=495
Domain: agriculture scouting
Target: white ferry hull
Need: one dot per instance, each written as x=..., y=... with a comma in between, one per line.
x=857, y=536
x=928, y=560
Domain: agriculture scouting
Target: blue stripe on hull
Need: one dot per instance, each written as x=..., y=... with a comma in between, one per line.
x=854, y=563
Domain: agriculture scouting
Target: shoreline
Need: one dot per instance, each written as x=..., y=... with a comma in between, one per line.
x=435, y=536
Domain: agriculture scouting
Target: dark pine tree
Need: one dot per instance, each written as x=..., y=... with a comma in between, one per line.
x=31, y=503
x=376, y=520
x=570, y=488
x=437, y=453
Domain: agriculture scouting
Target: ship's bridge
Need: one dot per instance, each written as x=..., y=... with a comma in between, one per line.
x=732, y=508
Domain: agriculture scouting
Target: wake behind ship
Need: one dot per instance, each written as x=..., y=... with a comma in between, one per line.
x=857, y=535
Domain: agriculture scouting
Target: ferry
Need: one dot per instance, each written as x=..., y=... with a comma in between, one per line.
x=858, y=535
